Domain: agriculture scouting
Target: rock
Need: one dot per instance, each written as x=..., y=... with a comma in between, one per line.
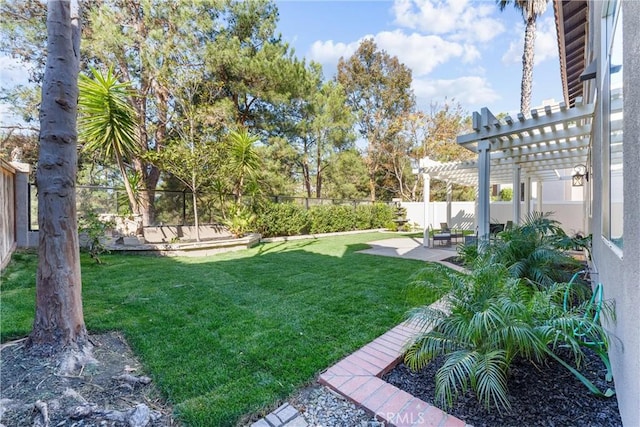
x=140, y=416
x=81, y=411
x=69, y=392
x=132, y=379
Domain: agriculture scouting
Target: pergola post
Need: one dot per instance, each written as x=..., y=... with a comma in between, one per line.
x=426, y=179
x=449, y=198
x=539, y=192
x=484, y=170
x=515, y=201
x=527, y=196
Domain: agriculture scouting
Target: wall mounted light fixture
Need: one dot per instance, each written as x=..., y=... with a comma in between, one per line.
x=580, y=175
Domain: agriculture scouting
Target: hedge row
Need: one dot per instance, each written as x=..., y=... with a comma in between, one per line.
x=287, y=219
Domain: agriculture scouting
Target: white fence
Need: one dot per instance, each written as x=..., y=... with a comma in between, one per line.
x=571, y=215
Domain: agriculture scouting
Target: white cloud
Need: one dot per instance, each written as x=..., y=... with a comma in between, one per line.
x=460, y=19
x=328, y=52
x=470, y=91
x=12, y=72
x=471, y=54
x=421, y=53
x=546, y=45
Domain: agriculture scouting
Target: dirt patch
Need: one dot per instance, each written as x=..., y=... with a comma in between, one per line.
x=112, y=392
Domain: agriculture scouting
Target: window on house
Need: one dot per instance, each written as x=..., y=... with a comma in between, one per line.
x=615, y=124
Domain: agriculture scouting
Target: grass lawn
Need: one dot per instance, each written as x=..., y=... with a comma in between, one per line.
x=233, y=334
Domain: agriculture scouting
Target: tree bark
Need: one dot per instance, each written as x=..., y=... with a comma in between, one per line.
x=527, y=64
x=59, y=321
x=306, y=177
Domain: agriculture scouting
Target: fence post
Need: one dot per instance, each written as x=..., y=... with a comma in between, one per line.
x=24, y=239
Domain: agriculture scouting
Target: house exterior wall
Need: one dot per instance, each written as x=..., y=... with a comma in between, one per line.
x=619, y=270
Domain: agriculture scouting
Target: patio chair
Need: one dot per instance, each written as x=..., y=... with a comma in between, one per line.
x=444, y=228
x=441, y=237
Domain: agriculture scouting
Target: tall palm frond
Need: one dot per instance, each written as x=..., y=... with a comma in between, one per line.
x=244, y=159
x=107, y=119
x=106, y=122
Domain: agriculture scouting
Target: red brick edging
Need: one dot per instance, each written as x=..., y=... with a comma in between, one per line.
x=357, y=377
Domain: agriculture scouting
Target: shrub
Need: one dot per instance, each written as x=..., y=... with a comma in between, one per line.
x=287, y=219
x=382, y=215
x=94, y=229
x=241, y=220
x=282, y=219
x=364, y=216
x=491, y=318
x=506, y=194
x=535, y=251
x=332, y=218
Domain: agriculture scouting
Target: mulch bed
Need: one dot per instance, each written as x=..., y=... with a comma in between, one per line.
x=547, y=395
x=111, y=392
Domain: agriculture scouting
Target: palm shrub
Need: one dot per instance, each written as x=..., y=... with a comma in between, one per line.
x=489, y=318
x=535, y=251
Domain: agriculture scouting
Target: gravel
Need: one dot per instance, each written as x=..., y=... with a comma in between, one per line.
x=321, y=407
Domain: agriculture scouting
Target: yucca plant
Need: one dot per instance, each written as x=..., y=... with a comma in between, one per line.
x=489, y=319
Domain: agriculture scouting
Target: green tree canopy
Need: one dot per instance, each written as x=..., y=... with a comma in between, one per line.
x=378, y=89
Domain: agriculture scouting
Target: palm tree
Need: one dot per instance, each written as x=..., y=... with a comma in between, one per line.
x=244, y=160
x=530, y=9
x=107, y=123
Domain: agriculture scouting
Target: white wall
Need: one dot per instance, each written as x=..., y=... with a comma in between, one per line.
x=462, y=214
x=569, y=214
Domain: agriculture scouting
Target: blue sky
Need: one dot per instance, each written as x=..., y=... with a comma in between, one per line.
x=465, y=50
x=460, y=49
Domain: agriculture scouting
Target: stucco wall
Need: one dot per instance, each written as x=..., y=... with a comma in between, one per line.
x=619, y=271
x=627, y=291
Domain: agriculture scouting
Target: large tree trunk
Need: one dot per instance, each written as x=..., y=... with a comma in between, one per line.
x=59, y=321
x=306, y=177
x=527, y=65
x=372, y=187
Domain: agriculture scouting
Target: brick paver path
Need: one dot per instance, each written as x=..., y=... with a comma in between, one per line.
x=357, y=377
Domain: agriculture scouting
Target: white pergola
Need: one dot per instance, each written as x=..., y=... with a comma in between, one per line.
x=536, y=148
